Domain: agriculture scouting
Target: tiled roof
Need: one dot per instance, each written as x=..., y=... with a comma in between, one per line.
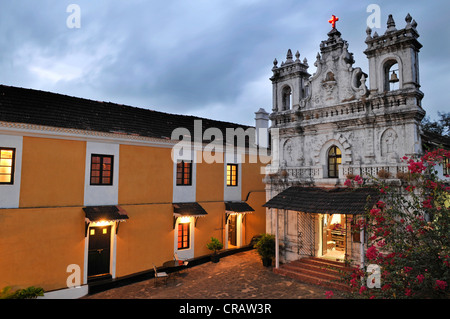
x=432, y=141
x=20, y=105
x=107, y=213
x=325, y=201
x=238, y=207
x=188, y=209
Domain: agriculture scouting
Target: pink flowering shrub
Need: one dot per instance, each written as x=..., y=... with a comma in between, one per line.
x=408, y=234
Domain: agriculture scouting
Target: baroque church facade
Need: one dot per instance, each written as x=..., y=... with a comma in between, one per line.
x=332, y=125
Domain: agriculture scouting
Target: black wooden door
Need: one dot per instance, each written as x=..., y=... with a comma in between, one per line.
x=99, y=251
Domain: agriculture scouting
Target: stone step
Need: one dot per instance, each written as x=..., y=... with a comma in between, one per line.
x=314, y=280
x=312, y=271
x=314, y=267
x=326, y=264
x=316, y=271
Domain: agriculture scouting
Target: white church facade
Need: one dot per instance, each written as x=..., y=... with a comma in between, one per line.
x=332, y=125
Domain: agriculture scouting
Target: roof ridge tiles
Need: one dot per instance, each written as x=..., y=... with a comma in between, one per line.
x=31, y=106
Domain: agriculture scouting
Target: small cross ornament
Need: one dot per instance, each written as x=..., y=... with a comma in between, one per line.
x=333, y=21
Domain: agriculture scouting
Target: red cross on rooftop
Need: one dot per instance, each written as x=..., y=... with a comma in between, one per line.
x=333, y=21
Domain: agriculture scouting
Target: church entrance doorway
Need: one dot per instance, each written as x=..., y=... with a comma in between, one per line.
x=333, y=236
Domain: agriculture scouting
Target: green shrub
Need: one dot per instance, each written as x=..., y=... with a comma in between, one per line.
x=266, y=246
x=26, y=293
x=214, y=245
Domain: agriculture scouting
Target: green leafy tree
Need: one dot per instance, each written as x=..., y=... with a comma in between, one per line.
x=440, y=127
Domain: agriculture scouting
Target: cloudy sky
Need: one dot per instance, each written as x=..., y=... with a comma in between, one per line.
x=210, y=58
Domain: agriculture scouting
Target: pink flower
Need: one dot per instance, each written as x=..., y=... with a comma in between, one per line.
x=381, y=243
x=431, y=184
x=408, y=292
x=329, y=294
x=358, y=179
x=441, y=284
x=420, y=278
x=410, y=188
x=409, y=228
x=348, y=183
x=372, y=253
x=386, y=287
x=381, y=204
x=362, y=289
x=375, y=211
x=407, y=269
x=416, y=167
x=427, y=204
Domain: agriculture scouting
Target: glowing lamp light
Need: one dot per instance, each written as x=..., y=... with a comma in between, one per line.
x=184, y=220
x=101, y=223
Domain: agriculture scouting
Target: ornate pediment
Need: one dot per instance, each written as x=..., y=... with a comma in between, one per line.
x=335, y=80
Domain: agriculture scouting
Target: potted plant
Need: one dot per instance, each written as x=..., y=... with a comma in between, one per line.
x=214, y=245
x=266, y=248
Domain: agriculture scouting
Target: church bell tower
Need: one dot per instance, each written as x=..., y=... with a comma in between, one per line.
x=394, y=59
x=288, y=82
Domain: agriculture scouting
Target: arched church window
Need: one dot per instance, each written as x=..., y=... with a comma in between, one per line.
x=334, y=160
x=286, y=95
x=391, y=76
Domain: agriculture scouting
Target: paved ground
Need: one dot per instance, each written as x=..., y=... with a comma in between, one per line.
x=239, y=276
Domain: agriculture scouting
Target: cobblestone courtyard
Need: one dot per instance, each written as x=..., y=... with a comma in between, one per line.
x=239, y=276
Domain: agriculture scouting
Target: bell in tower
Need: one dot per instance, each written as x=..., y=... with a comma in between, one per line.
x=394, y=78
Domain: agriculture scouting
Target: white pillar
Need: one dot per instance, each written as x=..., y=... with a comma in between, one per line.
x=361, y=251
x=277, y=257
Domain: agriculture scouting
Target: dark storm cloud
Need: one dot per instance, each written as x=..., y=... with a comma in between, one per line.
x=209, y=58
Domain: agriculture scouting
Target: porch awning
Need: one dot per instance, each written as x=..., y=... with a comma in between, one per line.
x=192, y=209
x=238, y=207
x=325, y=201
x=105, y=213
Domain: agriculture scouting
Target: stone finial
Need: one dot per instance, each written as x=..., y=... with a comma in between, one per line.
x=390, y=24
x=414, y=24
x=316, y=64
x=297, y=56
x=375, y=34
x=408, y=20
x=275, y=62
x=305, y=61
x=289, y=56
x=368, y=32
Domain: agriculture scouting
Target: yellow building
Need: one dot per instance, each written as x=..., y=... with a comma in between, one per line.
x=94, y=190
